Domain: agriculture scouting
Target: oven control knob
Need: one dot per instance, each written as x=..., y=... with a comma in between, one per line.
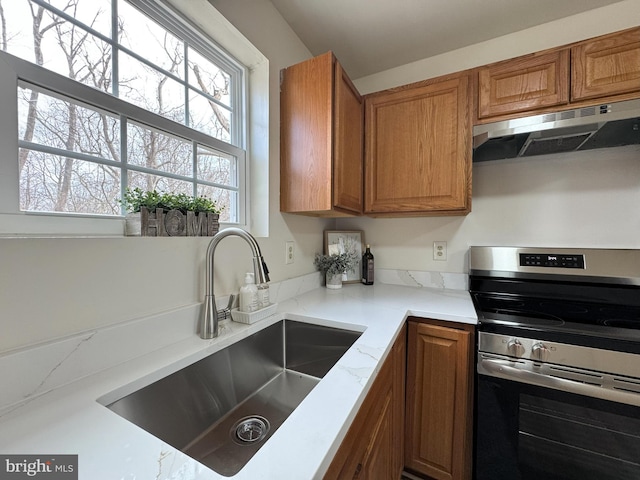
x=539, y=351
x=515, y=348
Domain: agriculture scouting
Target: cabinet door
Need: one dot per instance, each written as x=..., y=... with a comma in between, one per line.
x=371, y=457
x=348, y=145
x=321, y=140
x=306, y=116
x=373, y=446
x=523, y=84
x=438, y=412
x=418, y=149
x=608, y=65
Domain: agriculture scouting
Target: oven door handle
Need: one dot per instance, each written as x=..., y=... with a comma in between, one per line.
x=504, y=369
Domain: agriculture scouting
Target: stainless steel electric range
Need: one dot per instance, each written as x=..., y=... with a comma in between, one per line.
x=558, y=365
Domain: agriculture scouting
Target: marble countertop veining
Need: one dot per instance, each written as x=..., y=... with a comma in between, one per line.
x=70, y=420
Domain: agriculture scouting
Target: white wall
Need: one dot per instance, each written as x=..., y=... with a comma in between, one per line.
x=582, y=199
x=55, y=287
x=600, y=21
x=585, y=199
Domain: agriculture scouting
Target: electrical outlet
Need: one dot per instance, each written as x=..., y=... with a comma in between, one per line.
x=289, y=252
x=439, y=250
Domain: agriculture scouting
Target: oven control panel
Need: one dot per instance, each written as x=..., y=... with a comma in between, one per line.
x=590, y=372
x=540, y=352
x=551, y=260
x=514, y=348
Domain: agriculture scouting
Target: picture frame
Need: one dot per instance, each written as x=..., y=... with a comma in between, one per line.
x=341, y=241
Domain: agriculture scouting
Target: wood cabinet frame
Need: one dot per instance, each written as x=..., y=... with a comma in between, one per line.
x=321, y=140
x=410, y=154
x=607, y=65
x=591, y=72
x=373, y=447
x=418, y=149
x=439, y=399
x=525, y=83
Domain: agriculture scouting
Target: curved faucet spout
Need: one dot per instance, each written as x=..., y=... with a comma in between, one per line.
x=209, y=321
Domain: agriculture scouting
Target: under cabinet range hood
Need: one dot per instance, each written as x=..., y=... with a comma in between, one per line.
x=601, y=126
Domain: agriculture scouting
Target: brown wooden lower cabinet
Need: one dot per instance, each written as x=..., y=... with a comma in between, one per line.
x=373, y=446
x=439, y=399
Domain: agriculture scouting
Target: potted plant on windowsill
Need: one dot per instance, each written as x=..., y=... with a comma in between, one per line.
x=152, y=213
x=335, y=267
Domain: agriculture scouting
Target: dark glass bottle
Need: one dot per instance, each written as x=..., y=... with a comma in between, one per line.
x=367, y=267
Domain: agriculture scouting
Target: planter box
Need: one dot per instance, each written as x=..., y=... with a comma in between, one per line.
x=171, y=223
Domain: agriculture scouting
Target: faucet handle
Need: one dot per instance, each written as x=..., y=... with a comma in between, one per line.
x=225, y=313
x=232, y=299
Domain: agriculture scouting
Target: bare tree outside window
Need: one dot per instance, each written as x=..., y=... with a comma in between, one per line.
x=73, y=158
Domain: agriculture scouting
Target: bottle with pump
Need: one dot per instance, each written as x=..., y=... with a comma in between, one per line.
x=367, y=267
x=249, y=294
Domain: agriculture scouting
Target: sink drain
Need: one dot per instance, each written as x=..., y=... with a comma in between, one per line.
x=250, y=430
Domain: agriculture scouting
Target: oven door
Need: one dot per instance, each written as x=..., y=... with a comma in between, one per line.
x=526, y=432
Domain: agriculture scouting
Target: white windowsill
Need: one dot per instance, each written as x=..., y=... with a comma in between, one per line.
x=29, y=225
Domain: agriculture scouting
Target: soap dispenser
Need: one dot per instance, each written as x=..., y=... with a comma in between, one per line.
x=249, y=294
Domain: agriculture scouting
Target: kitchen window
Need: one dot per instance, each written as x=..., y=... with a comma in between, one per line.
x=114, y=94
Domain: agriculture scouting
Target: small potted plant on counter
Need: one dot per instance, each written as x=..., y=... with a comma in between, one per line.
x=152, y=213
x=335, y=267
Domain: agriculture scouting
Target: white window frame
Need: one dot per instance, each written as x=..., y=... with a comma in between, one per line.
x=14, y=222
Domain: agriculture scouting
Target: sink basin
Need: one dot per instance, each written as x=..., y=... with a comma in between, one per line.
x=223, y=408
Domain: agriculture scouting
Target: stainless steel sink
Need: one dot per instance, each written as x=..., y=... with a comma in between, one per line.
x=221, y=409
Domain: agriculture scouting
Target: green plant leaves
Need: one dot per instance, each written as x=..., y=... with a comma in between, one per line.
x=335, y=264
x=136, y=198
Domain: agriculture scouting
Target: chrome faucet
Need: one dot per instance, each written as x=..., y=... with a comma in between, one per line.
x=209, y=321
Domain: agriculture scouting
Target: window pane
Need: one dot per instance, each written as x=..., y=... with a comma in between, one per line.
x=146, y=38
x=90, y=57
x=60, y=46
x=93, y=13
x=217, y=167
x=66, y=141
x=152, y=149
x=51, y=183
x=18, y=29
x=53, y=122
x=148, y=88
x=225, y=199
x=208, y=77
x=208, y=117
x=149, y=182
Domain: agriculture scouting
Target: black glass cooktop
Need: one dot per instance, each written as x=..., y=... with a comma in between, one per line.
x=540, y=311
x=591, y=315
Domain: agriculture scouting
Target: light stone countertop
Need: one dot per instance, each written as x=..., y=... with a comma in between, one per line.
x=55, y=408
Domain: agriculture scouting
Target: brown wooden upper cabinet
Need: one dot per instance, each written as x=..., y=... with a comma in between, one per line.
x=607, y=65
x=321, y=136
x=524, y=83
x=418, y=149
x=605, y=68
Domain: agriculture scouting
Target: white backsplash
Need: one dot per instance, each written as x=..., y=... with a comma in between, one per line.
x=415, y=278
x=29, y=372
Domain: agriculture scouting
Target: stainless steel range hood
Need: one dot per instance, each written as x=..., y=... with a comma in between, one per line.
x=601, y=126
